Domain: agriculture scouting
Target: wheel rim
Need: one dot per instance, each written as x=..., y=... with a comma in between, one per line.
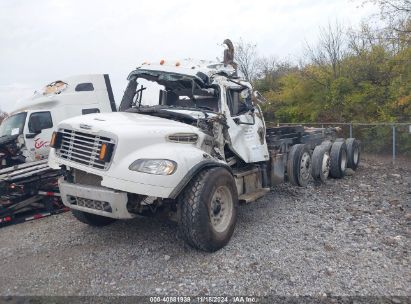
x=343, y=160
x=305, y=166
x=221, y=209
x=325, y=168
x=356, y=155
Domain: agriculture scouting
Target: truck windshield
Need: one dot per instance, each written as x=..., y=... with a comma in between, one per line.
x=13, y=125
x=173, y=91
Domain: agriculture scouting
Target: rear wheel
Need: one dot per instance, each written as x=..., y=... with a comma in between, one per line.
x=328, y=144
x=353, y=153
x=338, y=156
x=209, y=209
x=320, y=163
x=92, y=219
x=299, y=165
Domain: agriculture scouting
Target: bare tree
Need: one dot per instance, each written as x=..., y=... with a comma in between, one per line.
x=396, y=12
x=330, y=49
x=362, y=40
x=266, y=66
x=246, y=57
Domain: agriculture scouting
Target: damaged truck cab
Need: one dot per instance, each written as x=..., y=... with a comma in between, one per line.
x=189, y=141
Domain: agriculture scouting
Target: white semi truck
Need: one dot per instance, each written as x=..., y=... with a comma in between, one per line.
x=27, y=184
x=25, y=134
x=194, y=150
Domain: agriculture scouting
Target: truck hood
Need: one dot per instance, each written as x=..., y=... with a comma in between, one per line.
x=131, y=132
x=135, y=136
x=123, y=123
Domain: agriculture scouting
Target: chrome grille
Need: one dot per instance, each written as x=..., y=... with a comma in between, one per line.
x=82, y=148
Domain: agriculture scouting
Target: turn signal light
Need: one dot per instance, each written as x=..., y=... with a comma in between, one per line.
x=106, y=151
x=55, y=141
x=103, y=151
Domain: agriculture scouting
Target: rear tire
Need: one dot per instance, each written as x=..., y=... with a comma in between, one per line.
x=299, y=165
x=92, y=219
x=320, y=163
x=328, y=144
x=338, y=156
x=209, y=209
x=353, y=153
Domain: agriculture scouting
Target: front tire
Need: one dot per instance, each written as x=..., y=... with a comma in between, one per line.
x=209, y=209
x=92, y=219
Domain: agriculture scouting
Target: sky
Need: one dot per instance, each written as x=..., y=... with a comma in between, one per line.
x=46, y=40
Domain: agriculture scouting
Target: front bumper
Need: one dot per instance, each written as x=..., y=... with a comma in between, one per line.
x=96, y=200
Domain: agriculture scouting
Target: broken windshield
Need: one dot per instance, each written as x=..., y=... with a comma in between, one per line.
x=13, y=125
x=169, y=90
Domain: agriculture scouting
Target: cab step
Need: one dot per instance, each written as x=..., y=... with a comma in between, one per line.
x=253, y=196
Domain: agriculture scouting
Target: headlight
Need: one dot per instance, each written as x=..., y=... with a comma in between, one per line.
x=154, y=166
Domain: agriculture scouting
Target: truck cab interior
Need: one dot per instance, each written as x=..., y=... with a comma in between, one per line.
x=172, y=90
x=200, y=98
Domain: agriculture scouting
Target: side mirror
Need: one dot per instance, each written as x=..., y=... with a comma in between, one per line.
x=258, y=97
x=238, y=121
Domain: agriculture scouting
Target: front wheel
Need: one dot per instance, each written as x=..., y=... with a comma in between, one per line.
x=209, y=209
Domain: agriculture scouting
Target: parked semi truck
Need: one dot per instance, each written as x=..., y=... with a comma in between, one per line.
x=25, y=134
x=194, y=150
x=26, y=181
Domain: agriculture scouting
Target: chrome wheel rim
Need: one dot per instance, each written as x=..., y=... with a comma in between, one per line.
x=221, y=209
x=325, y=168
x=305, y=166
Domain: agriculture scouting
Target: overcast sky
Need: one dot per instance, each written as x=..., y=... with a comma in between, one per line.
x=45, y=40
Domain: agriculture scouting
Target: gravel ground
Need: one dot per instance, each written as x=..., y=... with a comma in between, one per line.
x=348, y=237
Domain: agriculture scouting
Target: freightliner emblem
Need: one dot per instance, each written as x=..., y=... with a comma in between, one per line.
x=84, y=126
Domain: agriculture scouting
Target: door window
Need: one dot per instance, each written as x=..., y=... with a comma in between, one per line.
x=239, y=101
x=41, y=119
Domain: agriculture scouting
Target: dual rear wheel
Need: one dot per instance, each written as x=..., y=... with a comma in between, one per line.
x=327, y=159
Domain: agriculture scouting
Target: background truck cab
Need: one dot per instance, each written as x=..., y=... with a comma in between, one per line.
x=25, y=134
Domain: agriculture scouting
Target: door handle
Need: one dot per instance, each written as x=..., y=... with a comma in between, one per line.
x=31, y=135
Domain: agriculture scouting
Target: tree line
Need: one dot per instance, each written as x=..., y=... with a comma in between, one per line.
x=349, y=75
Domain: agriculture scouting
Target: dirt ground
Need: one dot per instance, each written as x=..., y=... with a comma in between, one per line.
x=347, y=237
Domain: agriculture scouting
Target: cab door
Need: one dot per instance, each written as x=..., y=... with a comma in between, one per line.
x=38, y=135
x=246, y=126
